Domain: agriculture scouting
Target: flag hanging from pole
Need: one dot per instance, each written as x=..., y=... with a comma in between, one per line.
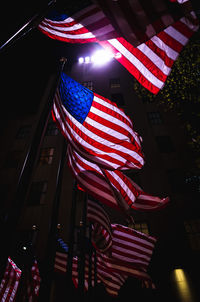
x=95, y=127
x=111, y=187
x=129, y=252
x=33, y=282
x=157, y=48
x=101, y=225
x=10, y=282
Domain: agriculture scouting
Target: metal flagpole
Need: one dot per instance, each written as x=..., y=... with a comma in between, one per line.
x=34, y=21
x=11, y=219
x=71, y=232
x=48, y=268
x=81, y=273
x=90, y=267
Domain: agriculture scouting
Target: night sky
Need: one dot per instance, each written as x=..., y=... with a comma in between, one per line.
x=26, y=64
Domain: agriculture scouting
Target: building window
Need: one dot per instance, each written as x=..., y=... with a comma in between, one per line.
x=118, y=99
x=140, y=226
x=37, y=193
x=88, y=84
x=115, y=83
x=23, y=132
x=192, y=228
x=51, y=129
x=13, y=158
x=193, y=183
x=154, y=118
x=165, y=144
x=46, y=156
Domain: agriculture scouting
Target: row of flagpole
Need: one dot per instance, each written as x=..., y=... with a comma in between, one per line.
x=24, y=180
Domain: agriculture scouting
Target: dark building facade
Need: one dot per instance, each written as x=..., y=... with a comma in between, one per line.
x=175, y=264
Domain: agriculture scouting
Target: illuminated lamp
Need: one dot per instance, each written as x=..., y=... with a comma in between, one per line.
x=81, y=60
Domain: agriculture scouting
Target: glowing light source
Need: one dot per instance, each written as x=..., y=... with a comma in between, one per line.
x=183, y=285
x=87, y=60
x=81, y=60
x=101, y=57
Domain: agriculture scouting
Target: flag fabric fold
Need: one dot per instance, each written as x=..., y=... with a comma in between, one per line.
x=157, y=48
x=95, y=127
x=130, y=251
x=112, y=188
x=10, y=282
x=33, y=282
x=102, y=231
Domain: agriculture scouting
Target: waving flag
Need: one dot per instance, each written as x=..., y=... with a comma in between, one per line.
x=95, y=127
x=102, y=231
x=151, y=61
x=111, y=187
x=33, y=282
x=10, y=282
x=112, y=281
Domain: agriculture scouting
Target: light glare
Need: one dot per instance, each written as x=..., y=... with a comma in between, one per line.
x=101, y=57
x=81, y=60
x=87, y=60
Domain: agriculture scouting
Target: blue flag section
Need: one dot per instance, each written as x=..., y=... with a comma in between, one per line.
x=76, y=98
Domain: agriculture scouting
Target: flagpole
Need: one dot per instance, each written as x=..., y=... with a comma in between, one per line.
x=71, y=232
x=35, y=20
x=11, y=219
x=90, y=263
x=81, y=273
x=48, y=268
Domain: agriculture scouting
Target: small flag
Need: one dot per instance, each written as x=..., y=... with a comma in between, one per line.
x=33, y=282
x=10, y=282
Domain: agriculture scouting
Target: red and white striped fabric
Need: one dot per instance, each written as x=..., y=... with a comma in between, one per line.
x=102, y=232
x=130, y=254
x=138, y=20
x=33, y=283
x=10, y=282
x=106, y=137
x=150, y=63
x=131, y=246
x=112, y=188
x=112, y=281
x=88, y=25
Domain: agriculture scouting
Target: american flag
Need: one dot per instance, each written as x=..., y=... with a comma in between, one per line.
x=10, y=282
x=112, y=281
x=33, y=282
x=111, y=187
x=95, y=127
x=150, y=62
x=130, y=251
x=102, y=232
x=129, y=255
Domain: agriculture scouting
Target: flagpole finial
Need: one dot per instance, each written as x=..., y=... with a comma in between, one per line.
x=58, y=226
x=63, y=59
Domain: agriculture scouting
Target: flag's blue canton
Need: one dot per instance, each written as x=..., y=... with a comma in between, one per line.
x=55, y=16
x=63, y=245
x=76, y=98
